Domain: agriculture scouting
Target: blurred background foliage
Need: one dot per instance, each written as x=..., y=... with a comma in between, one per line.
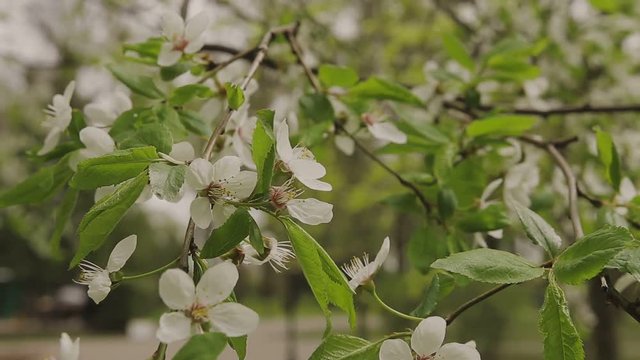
x=537, y=55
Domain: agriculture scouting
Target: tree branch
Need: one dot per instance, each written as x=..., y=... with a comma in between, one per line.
x=248, y=55
x=475, y=301
x=583, y=109
x=260, y=56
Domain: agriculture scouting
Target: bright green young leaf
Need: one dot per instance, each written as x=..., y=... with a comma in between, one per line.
x=194, y=123
x=235, y=95
x=113, y=168
x=263, y=150
x=501, y=125
x=166, y=180
x=186, y=93
x=139, y=84
x=333, y=75
x=239, y=345
x=103, y=217
x=316, y=107
x=207, y=346
x=606, y=5
x=229, y=235
x=628, y=260
x=169, y=117
x=149, y=48
x=538, y=230
x=561, y=338
x=377, y=88
x=154, y=134
x=493, y=217
x=346, y=347
x=609, y=158
x=490, y=266
x=327, y=282
x=588, y=256
x=39, y=186
x=62, y=215
x=455, y=49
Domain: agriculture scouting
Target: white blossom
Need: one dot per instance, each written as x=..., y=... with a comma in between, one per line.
x=203, y=304
x=277, y=253
x=97, y=142
x=97, y=278
x=426, y=342
x=104, y=111
x=300, y=161
x=360, y=271
x=181, y=39
x=310, y=211
x=383, y=130
x=180, y=154
x=216, y=184
x=58, y=118
x=69, y=349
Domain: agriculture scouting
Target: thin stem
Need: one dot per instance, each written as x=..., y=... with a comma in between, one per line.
x=263, y=47
x=160, y=269
x=583, y=109
x=392, y=310
x=474, y=301
x=222, y=65
x=160, y=353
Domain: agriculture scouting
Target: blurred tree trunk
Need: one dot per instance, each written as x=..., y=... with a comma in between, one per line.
x=603, y=344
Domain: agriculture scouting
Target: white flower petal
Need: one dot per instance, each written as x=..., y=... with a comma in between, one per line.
x=68, y=91
x=226, y=168
x=221, y=213
x=315, y=184
x=174, y=326
x=627, y=190
x=51, y=141
x=395, y=349
x=307, y=168
x=233, y=319
x=382, y=254
x=121, y=253
x=200, y=174
x=196, y=26
x=242, y=185
x=121, y=102
x=429, y=335
x=168, y=56
x=69, y=350
x=97, y=140
x=97, y=116
x=177, y=290
x=217, y=283
x=182, y=151
x=283, y=145
x=455, y=351
x=172, y=25
x=310, y=211
x=201, y=212
x=99, y=287
x=345, y=144
x=387, y=131
x=194, y=46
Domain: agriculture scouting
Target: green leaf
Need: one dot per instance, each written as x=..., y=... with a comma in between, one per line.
x=333, y=75
x=166, y=180
x=239, y=345
x=77, y=123
x=501, y=125
x=607, y=5
x=139, y=84
x=493, y=217
x=628, y=260
x=113, y=168
x=235, y=95
x=426, y=245
x=441, y=285
x=168, y=116
x=103, y=217
x=255, y=237
x=346, y=347
x=150, y=48
x=316, y=107
x=192, y=122
x=62, y=216
x=207, y=346
x=609, y=158
x=39, y=186
x=263, y=150
x=377, y=88
x=491, y=266
x=538, y=230
x=561, y=338
x=455, y=49
x=588, y=256
x=186, y=93
x=154, y=134
x=168, y=73
x=447, y=203
x=229, y=235
x=327, y=282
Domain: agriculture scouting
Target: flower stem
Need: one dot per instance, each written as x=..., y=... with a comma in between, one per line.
x=392, y=310
x=160, y=269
